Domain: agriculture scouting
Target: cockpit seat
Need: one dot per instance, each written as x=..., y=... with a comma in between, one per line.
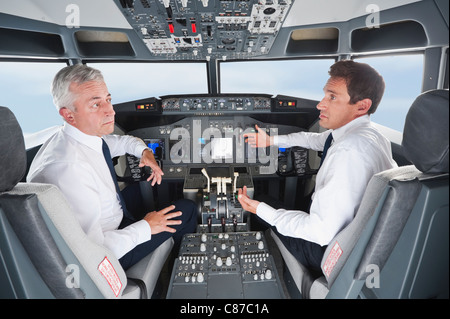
x=397, y=246
x=44, y=253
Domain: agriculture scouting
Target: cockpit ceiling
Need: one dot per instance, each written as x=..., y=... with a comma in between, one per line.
x=98, y=13
x=93, y=13
x=326, y=11
x=211, y=30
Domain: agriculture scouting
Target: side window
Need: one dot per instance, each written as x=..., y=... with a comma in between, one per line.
x=403, y=77
x=25, y=90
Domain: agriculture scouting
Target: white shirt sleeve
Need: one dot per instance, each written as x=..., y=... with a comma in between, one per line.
x=314, y=141
x=342, y=183
x=119, y=145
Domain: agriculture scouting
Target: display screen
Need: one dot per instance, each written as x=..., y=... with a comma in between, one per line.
x=157, y=147
x=222, y=148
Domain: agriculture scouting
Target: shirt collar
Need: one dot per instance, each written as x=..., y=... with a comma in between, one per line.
x=340, y=132
x=93, y=142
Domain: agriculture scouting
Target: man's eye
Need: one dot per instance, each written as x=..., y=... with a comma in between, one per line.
x=95, y=106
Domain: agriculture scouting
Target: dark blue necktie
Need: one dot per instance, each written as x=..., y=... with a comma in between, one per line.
x=326, y=147
x=109, y=161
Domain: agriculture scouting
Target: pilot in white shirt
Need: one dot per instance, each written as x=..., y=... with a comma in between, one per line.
x=358, y=151
x=73, y=160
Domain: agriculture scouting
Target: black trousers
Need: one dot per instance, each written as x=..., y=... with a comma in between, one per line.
x=307, y=253
x=188, y=225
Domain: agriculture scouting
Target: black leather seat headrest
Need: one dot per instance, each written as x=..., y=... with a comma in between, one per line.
x=426, y=132
x=13, y=159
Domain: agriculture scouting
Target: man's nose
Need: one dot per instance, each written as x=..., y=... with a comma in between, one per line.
x=320, y=106
x=109, y=109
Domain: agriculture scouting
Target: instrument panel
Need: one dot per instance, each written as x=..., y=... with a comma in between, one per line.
x=194, y=131
x=198, y=141
x=219, y=104
x=208, y=140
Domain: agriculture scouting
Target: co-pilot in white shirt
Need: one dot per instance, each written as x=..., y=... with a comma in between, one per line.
x=358, y=152
x=74, y=162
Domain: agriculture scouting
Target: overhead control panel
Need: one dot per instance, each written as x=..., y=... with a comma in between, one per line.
x=205, y=30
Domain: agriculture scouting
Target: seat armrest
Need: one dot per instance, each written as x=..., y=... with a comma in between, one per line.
x=148, y=269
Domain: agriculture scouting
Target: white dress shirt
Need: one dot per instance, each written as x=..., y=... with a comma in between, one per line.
x=357, y=153
x=74, y=162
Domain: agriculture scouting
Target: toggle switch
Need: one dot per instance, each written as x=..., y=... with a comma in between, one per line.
x=260, y=244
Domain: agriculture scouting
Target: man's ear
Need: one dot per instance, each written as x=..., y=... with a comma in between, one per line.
x=363, y=106
x=67, y=114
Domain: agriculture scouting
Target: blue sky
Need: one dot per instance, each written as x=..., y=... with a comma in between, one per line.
x=25, y=87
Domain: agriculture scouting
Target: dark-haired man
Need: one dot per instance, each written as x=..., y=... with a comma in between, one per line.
x=355, y=152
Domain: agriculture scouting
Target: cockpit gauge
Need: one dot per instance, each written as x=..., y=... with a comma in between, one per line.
x=171, y=104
